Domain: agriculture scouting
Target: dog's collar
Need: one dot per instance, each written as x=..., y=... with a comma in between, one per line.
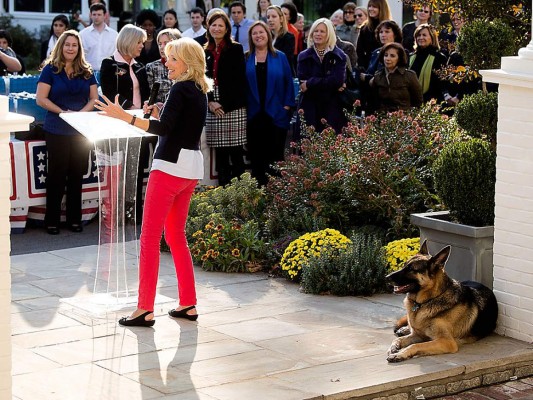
x=416, y=305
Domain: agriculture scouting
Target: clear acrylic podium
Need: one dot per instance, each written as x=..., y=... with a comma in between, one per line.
x=117, y=145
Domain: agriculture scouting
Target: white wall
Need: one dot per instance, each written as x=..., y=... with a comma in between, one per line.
x=513, y=227
x=8, y=122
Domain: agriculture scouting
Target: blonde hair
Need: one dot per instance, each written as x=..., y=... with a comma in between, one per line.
x=172, y=33
x=128, y=37
x=284, y=26
x=192, y=54
x=80, y=66
x=332, y=37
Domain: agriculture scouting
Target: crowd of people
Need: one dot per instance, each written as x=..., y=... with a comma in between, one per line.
x=253, y=63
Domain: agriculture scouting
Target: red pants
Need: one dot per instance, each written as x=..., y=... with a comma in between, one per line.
x=166, y=205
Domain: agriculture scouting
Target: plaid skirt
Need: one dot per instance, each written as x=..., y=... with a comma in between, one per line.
x=229, y=130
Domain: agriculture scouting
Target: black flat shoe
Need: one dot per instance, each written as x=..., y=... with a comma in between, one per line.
x=139, y=321
x=183, y=314
x=76, y=228
x=52, y=230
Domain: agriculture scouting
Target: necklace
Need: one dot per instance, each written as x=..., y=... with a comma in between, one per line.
x=320, y=52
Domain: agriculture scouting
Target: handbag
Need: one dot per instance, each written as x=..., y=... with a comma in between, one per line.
x=351, y=92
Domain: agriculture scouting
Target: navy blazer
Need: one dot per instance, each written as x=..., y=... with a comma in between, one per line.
x=279, y=92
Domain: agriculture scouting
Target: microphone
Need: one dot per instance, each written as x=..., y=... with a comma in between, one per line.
x=152, y=98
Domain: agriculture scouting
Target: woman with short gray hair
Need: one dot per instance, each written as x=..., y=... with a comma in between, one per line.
x=121, y=74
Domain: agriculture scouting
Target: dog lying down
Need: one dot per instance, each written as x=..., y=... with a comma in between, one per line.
x=442, y=313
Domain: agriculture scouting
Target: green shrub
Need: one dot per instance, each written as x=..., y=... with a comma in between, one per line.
x=465, y=178
x=242, y=200
x=358, y=271
x=477, y=114
x=375, y=175
x=483, y=43
x=228, y=246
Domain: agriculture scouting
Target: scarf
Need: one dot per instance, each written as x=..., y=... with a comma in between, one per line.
x=425, y=73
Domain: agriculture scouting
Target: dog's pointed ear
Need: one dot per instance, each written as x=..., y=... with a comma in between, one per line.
x=424, y=248
x=441, y=257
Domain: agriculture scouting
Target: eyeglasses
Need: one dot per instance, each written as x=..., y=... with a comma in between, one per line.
x=424, y=11
x=349, y=12
x=359, y=15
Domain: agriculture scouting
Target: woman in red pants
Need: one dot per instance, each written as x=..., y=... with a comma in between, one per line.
x=176, y=169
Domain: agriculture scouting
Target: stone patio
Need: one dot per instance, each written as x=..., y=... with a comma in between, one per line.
x=257, y=337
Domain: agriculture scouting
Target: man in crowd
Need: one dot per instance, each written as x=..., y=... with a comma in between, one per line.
x=239, y=24
x=98, y=39
x=197, y=24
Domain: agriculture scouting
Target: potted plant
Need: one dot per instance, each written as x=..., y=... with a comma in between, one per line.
x=464, y=178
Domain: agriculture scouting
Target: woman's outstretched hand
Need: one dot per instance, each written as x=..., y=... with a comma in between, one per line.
x=112, y=109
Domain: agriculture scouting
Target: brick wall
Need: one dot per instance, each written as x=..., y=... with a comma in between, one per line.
x=513, y=227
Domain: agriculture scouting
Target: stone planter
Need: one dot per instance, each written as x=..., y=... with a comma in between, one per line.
x=471, y=255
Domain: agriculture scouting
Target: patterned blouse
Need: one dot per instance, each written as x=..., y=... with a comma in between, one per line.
x=157, y=72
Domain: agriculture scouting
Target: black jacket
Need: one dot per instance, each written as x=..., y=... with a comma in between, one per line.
x=115, y=78
x=366, y=44
x=437, y=87
x=286, y=44
x=231, y=76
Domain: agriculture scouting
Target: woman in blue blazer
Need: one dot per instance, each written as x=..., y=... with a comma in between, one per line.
x=270, y=101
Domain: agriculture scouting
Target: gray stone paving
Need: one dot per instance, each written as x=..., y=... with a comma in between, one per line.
x=257, y=337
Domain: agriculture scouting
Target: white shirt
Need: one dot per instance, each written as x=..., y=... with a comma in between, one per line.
x=190, y=33
x=98, y=45
x=190, y=165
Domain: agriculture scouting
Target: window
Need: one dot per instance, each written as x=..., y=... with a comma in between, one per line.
x=64, y=6
x=32, y=6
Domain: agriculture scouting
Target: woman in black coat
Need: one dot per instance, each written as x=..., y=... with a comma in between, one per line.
x=225, y=127
x=378, y=11
x=116, y=78
x=282, y=39
x=426, y=61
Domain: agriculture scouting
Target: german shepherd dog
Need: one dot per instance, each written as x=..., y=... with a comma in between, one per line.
x=442, y=313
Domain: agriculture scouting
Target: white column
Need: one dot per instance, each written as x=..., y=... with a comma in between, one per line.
x=9, y=122
x=513, y=227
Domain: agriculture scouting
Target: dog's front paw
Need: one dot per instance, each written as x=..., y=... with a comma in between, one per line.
x=397, y=357
x=403, y=331
x=394, y=347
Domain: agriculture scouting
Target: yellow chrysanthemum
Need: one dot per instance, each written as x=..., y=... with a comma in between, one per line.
x=309, y=245
x=399, y=251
